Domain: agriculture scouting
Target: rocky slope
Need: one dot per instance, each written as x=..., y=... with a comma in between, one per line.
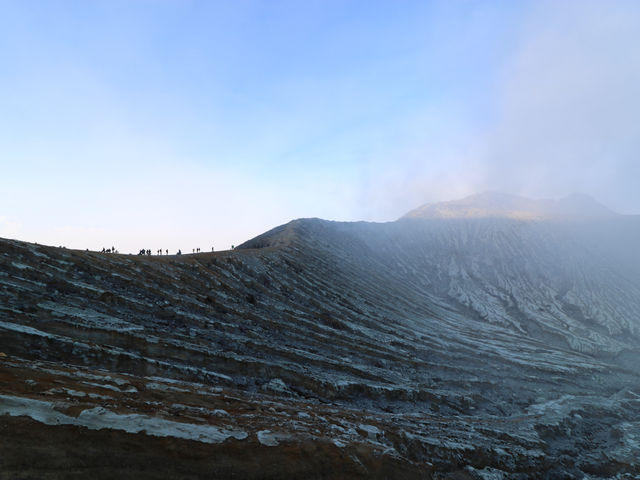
x=430, y=347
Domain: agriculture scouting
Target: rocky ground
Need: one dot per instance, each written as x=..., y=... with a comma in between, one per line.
x=475, y=348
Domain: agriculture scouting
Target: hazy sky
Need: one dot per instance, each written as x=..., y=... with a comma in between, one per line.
x=181, y=124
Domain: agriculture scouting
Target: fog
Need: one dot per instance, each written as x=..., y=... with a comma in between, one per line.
x=566, y=119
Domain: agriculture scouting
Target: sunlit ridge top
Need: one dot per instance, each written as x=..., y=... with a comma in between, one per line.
x=496, y=204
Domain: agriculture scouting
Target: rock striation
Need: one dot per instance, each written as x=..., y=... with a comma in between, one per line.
x=484, y=347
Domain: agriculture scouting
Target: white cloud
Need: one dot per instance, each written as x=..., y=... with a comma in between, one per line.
x=562, y=116
x=569, y=116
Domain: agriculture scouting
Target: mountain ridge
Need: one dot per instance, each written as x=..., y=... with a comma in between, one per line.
x=496, y=204
x=421, y=348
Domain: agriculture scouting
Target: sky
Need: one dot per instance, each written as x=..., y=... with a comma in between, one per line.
x=182, y=124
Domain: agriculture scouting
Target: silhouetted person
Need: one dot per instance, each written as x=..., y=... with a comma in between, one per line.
x=211, y=249
x=179, y=252
x=167, y=251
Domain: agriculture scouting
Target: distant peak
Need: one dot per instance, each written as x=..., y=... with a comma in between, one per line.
x=497, y=204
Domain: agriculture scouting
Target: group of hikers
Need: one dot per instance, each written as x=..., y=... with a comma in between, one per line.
x=166, y=251
x=145, y=251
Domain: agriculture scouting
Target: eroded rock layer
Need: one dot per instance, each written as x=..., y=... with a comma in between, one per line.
x=441, y=348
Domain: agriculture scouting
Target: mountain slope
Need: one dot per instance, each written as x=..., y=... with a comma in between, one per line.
x=423, y=347
x=494, y=204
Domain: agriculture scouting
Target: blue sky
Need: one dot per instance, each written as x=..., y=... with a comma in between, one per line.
x=181, y=124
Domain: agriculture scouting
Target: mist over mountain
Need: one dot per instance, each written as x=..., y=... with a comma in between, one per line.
x=494, y=204
x=490, y=337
